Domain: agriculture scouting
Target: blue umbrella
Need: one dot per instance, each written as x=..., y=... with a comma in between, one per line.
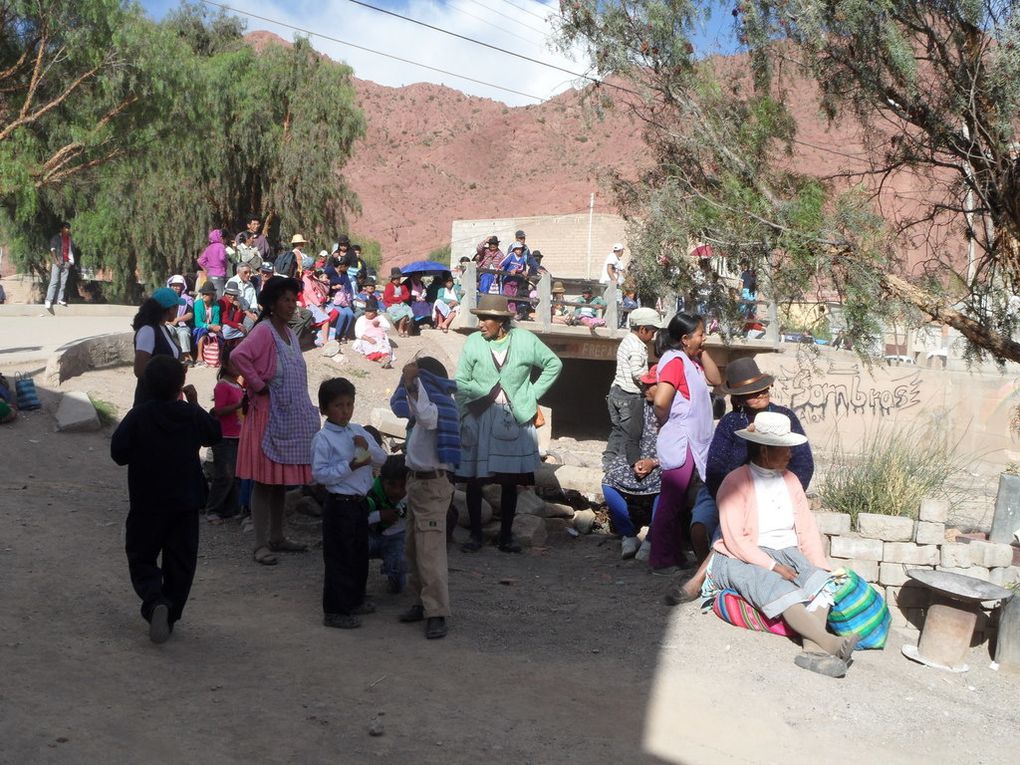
x=424, y=266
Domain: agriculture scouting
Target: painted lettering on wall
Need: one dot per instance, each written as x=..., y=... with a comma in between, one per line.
x=845, y=390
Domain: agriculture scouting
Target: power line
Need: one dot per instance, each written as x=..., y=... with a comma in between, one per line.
x=510, y=18
x=310, y=33
x=530, y=13
x=466, y=39
x=494, y=26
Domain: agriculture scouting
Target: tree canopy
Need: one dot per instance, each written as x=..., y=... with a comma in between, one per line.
x=934, y=87
x=208, y=131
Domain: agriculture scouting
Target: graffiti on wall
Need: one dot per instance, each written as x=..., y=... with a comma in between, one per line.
x=845, y=390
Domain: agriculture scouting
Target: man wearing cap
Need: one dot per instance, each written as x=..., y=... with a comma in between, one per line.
x=62, y=258
x=232, y=316
x=247, y=293
x=625, y=400
x=265, y=273
x=185, y=314
x=612, y=269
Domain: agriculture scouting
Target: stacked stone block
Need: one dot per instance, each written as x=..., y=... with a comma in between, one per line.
x=884, y=548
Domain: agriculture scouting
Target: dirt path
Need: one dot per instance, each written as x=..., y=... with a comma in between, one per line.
x=575, y=661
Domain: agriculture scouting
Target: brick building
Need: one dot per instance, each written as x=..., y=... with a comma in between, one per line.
x=563, y=240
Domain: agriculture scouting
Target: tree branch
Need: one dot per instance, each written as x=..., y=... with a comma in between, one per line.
x=28, y=119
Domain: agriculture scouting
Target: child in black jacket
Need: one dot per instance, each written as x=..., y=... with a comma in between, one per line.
x=159, y=442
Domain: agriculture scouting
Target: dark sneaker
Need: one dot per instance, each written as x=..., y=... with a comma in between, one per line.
x=471, y=546
x=435, y=627
x=395, y=585
x=159, y=624
x=368, y=607
x=341, y=621
x=413, y=614
x=510, y=546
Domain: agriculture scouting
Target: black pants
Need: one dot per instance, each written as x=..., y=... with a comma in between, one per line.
x=344, y=553
x=627, y=421
x=174, y=534
x=224, y=490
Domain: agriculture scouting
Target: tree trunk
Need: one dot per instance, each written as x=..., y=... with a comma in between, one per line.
x=994, y=342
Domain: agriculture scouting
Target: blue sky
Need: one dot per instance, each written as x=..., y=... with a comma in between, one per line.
x=520, y=24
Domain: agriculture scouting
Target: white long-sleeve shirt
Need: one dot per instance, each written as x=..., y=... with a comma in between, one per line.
x=332, y=452
x=421, y=444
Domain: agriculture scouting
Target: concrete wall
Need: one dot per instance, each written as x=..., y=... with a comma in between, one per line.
x=563, y=240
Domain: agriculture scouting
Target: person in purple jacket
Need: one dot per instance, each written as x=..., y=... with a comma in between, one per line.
x=213, y=261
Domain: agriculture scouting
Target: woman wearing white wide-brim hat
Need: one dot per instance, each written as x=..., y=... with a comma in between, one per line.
x=770, y=551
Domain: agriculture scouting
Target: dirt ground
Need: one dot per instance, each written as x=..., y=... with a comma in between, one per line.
x=574, y=659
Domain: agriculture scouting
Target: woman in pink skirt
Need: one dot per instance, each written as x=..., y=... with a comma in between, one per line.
x=275, y=449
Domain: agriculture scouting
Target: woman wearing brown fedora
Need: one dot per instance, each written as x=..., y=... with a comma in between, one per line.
x=750, y=394
x=498, y=405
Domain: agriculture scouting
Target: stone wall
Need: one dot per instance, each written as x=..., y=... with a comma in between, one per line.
x=563, y=240
x=883, y=548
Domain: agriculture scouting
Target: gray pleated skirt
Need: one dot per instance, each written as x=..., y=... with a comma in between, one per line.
x=494, y=445
x=766, y=590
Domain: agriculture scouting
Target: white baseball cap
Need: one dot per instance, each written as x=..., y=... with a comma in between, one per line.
x=617, y=247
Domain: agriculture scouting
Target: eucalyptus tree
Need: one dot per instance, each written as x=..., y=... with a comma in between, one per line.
x=933, y=86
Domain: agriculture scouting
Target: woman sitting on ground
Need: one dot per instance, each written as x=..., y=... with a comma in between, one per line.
x=749, y=391
x=370, y=335
x=315, y=297
x=627, y=486
x=770, y=552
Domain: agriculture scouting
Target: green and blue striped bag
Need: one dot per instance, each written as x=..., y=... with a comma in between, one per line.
x=859, y=609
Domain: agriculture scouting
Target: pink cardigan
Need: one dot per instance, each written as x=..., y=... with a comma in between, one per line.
x=738, y=519
x=255, y=356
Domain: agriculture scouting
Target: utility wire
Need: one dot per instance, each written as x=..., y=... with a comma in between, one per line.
x=494, y=26
x=505, y=16
x=493, y=47
x=310, y=33
x=530, y=13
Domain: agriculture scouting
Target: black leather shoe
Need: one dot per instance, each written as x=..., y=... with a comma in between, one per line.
x=413, y=614
x=510, y=546
x=435, y=627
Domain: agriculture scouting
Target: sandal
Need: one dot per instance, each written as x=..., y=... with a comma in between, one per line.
x=264, y=556
x=288, y=545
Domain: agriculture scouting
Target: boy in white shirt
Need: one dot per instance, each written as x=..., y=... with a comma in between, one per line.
x=343, y=455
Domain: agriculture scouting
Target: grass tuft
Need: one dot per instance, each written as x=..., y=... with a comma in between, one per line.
x=894, y=469
x=106, y=411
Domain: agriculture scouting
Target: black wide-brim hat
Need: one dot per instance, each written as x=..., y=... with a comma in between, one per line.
x=276, y=286
x=743, y=377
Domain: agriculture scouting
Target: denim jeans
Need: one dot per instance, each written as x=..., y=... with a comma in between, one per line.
x=390, y=548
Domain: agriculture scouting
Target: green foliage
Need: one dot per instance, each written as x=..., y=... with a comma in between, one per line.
x=441, y=254
x=106, y=411
x=220, y=132
x=890, y=471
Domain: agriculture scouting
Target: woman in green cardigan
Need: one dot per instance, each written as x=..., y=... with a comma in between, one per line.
x=498, y=405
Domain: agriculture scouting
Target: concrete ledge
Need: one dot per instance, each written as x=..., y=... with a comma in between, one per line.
x=73, y=359
x=75, y=309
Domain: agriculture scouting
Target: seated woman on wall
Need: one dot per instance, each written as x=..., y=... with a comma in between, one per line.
x=232, y=315
x=207, y=320
x=770, y=552
x=181, y=324
x=626, y=486
x=589, y=314
x=447, y=304
x=315, y=297
x=421, y=308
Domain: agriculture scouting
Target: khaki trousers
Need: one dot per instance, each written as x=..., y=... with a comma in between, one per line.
x=428, y=575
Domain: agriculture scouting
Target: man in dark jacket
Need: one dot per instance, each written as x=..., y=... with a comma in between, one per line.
x=62, y=259
x=159, y=442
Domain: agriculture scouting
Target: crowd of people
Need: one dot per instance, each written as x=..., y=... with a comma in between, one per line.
x=725, y=501
x=732, y=494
